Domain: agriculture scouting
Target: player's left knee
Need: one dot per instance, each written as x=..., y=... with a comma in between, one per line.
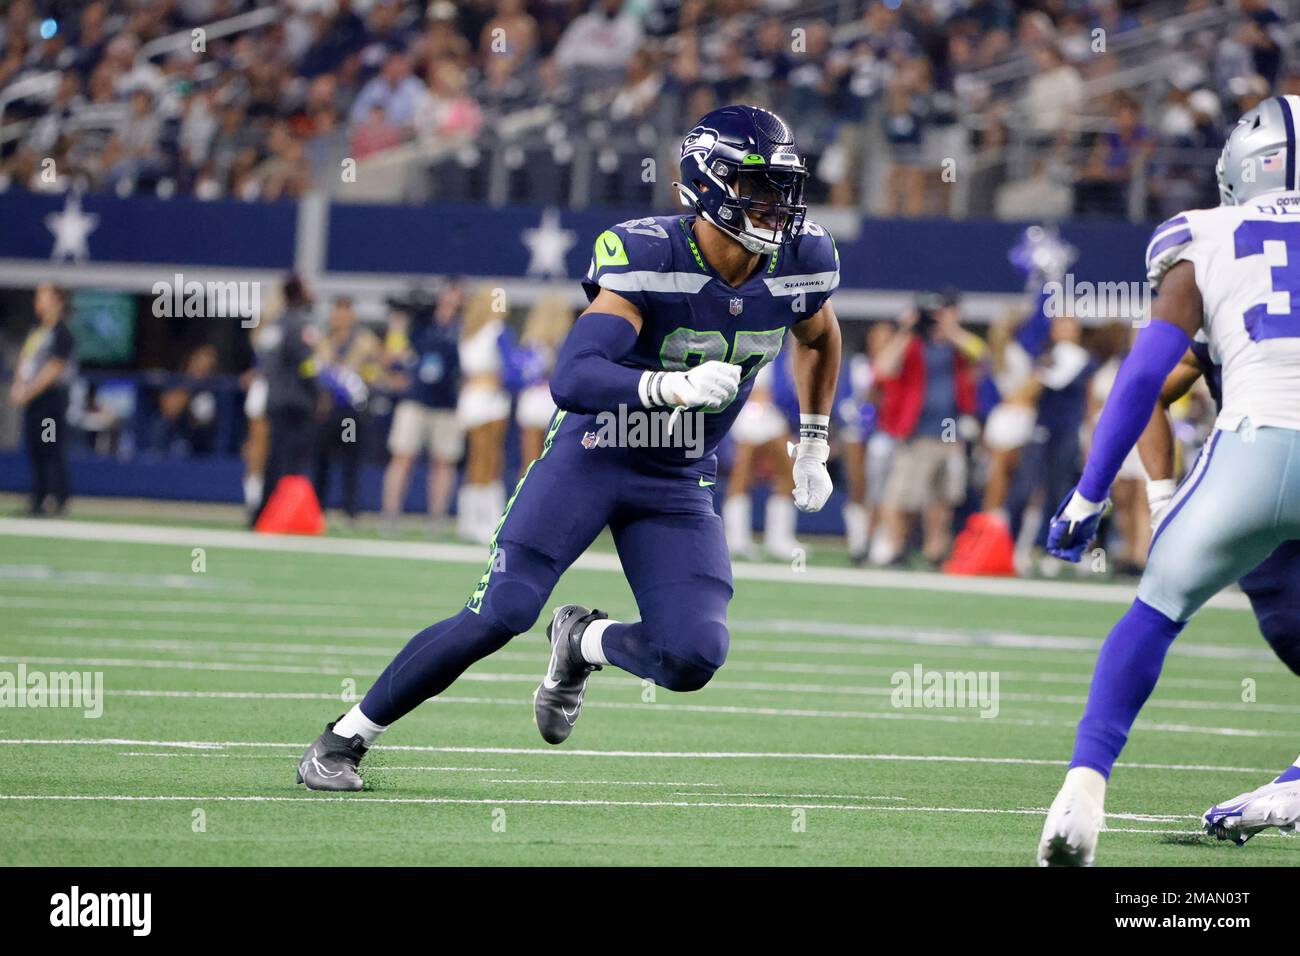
x=691, y=671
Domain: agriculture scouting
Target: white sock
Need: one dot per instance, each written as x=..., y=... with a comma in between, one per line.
x=778, y=526
x=737, y=521
x=882, y=549
x=494, y=502
x=1088, y=780
x=252, y=491
x=355, y=722
x=855, y=528
x=593, y=652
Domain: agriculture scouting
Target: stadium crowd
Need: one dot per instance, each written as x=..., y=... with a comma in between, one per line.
x=272, y=110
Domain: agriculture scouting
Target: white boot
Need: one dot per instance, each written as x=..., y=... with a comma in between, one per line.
x=1075, y=819
x=467, y=498
x=855, y=529
x=778, y=527
x=493, y=504
x=738, y=523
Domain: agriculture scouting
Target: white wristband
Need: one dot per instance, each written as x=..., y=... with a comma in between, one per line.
x=816, y=427
x=1159, y=491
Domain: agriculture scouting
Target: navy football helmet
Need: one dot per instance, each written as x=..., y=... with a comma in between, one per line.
x=741, y=173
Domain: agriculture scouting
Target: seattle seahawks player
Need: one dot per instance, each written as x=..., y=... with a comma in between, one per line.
x=1273, y=589
x=684, y=312
x=1235, y=271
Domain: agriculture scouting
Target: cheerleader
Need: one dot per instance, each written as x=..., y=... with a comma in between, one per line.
x=483, y=411
x=545, y=328
x=761, y=431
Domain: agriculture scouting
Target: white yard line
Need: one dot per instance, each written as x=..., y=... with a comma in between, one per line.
x=970, y=714
x=251, y=648
x=467, y=554
x=618, y=754
x=609, y=681
x=353, y=800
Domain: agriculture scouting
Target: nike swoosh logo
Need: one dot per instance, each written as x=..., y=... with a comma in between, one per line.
x=707, y=484
x=609, y=250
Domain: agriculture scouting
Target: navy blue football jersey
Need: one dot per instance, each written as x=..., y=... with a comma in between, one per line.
x=691, y=315
x=1210, y=369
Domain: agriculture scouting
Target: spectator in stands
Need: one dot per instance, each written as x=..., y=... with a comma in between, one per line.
x=904, y=124
x=425, y=417
x=394, y=91
x=1118, y=156
x=375, y=134
x=511, y=33
x=46, y=366
x=927, y=378
x=133, y=151
x=1055, y=93
x=447, y=112
x=1265, y=36
x=600, y=41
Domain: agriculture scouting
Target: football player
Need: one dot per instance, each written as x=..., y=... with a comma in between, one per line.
x=1234, y=272
x=684, y=312
x=1273, y=589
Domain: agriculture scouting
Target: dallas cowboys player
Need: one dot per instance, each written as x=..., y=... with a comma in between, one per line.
x=684, y=312
x=1235, y=271
x=1273, y=589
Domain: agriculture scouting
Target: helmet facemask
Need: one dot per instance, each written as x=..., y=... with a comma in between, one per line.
x=763, y=206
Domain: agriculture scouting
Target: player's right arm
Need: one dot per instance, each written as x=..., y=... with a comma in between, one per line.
x=589, y=374
x=1156, y=444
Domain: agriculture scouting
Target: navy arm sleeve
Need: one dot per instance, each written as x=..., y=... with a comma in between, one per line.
x=588, y=377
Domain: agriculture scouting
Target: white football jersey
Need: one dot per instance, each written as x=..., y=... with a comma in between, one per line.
x=1247, y=261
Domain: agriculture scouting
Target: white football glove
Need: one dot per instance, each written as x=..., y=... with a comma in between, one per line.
x=812, y=483
x=1160, y=493
x=708, y=385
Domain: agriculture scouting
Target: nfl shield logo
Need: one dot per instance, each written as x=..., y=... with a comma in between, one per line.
x=736, y=306
x=590, y=440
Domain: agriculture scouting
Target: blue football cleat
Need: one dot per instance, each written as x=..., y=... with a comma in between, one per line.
x=1239, y=819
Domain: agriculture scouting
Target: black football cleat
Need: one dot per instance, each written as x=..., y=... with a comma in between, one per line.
x=331, y=762
x=558, y=699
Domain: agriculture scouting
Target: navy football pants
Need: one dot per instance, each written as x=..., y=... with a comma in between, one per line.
x=670, y=543
x=1274, y=591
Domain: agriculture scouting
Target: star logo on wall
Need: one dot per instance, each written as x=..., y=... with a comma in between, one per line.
x=72, y=229
x=547, y=246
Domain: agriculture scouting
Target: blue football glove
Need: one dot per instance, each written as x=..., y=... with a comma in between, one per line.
x=1074, y=526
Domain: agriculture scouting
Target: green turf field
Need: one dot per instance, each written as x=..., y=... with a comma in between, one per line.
x=215, y=682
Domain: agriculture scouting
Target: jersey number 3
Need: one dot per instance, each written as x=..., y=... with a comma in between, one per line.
x=1279, y=244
